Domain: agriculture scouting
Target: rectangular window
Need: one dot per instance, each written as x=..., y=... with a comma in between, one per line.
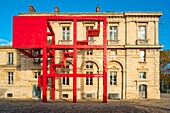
x=66, y=79
x=113, y=33
x=10, y=78
x=142, y=55
x=89, y=80
x=89, y=65
x=90, y=27
x=113, y=52
x=113, y=78
x=10, y=58
x=66, y=33
x=9, y=94
x=36, y=74
x=142, y=75
x=142, y=32
x=65, y=95
x=89, y=52
x=37, y=52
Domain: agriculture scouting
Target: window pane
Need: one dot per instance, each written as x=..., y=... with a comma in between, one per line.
x=10, y=78
x=10, y=58
x=113, y=78
x=89, y=65
x=142, y=75
x=67, y=80
x=63, y=80
x=87, y=80
x=142, y=55
x=91, y=81
x=113, y=33
x=142, y=32
x=66, y=33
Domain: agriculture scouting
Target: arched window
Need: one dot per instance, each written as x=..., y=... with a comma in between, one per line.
x=89, y=65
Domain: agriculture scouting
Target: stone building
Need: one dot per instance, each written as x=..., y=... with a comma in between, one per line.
x=132, y=59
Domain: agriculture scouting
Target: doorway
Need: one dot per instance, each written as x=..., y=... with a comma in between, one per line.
x=36, y=91
x=143, y=91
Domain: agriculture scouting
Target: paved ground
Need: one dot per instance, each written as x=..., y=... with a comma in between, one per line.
x=117, y=106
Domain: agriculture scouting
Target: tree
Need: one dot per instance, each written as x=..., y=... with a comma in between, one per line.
x=165, y=70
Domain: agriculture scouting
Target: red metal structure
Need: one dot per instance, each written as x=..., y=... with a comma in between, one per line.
x=30, y=32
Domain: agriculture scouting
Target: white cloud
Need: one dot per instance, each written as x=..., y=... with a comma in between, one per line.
x=5, y=42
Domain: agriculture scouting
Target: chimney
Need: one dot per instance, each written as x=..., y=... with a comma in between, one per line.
x=31, y=8
x=97, y=8
x=56, y=9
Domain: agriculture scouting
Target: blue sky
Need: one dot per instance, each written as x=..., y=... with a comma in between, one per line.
x=10, y=8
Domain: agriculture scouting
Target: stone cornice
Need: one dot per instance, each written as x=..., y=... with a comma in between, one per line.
x=143, y=46
x=6, y=47
x=134, y=46
x=143, y=14
x=108, y=14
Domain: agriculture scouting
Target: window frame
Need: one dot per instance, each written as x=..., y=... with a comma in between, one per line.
x=140, y=37
x=89, y=52
x=142, y=75
x=113, y=31
x=142, y=55
x=66, y=80
x=10, y=58
x=37, y=52
x=113, y=78
x=65, y=32
x=89, y=80
x=89, y=65
x=10, y=78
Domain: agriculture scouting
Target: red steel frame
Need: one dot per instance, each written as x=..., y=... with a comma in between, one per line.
x=48, y=51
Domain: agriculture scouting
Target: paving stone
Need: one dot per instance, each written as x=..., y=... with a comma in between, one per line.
x=92, y=106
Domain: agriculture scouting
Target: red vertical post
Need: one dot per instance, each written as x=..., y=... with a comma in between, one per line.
x=44, y=67
x=52, y=71
x=75, y=61
x=53, y=88
x=105, y=61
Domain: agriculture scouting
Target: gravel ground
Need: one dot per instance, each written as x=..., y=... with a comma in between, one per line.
x=61, y=106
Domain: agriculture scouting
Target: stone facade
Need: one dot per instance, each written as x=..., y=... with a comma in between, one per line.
x=132, y=55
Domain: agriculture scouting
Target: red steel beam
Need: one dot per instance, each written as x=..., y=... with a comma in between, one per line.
x=50, y=28
x=71, y=18
x=49, y=34
x=72, y=75
x=75, y=61
x=52, y=68
x=61, y=46
x=39, y=80
x=44, y=69
x=44, y=78
x=105, y=61
x=25, y=52
x=52, y=71
x=29, y=53
x=89, y=46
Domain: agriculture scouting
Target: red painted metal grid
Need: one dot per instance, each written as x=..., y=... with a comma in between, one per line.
x=39, y=40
